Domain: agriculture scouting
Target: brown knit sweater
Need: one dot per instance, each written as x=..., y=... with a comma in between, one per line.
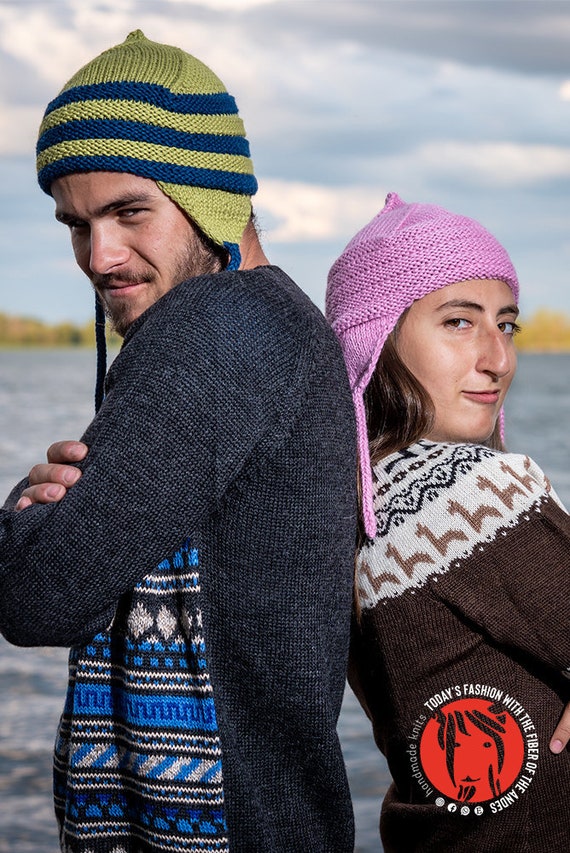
x=461, y=647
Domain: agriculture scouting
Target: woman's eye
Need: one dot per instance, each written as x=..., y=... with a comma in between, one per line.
x=509, y=328
x=457, y=323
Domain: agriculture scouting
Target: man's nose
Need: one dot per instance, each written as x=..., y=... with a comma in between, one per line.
x=107, y=249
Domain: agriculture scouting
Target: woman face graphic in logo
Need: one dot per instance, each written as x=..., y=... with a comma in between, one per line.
x=472, y=750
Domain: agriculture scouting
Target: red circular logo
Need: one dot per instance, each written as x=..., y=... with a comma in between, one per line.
x=472, y=750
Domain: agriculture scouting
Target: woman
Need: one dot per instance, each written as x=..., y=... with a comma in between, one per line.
x=459, y=652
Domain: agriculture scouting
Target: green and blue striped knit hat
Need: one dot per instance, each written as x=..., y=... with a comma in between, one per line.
x=155, y=111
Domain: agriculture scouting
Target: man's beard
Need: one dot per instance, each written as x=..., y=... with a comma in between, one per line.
x=197, y=259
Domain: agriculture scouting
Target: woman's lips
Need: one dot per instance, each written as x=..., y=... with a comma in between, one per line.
x=488, y=397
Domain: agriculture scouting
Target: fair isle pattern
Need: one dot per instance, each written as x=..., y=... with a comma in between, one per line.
x=496, y=490
x=138, y=757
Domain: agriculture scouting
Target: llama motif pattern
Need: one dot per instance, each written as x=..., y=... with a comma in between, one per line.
x=455, y=656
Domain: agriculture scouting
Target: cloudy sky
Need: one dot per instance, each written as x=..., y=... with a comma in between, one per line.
x=465, y=103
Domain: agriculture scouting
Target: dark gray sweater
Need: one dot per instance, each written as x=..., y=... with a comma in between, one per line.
x=201, y=570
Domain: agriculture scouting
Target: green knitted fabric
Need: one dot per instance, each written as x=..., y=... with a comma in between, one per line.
x=157, y=112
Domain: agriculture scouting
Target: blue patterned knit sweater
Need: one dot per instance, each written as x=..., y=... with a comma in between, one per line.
x=201, y=572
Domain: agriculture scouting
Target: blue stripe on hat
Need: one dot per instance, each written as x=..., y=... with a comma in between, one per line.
x=217, y=103
x=142, y=132
x=169, y=173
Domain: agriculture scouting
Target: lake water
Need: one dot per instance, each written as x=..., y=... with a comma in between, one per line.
x=45, y=396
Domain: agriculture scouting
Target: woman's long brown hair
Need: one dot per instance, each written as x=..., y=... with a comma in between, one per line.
x=399, y=411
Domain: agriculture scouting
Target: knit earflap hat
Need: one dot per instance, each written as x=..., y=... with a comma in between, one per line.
x=155, y=111
x=404, y=253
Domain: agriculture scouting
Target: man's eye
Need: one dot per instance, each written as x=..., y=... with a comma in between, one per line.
x=129, y=212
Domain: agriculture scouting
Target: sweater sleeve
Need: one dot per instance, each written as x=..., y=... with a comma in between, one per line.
x=193, y=396
x=511, y=583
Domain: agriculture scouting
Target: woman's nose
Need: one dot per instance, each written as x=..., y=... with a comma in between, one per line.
x=497, y=354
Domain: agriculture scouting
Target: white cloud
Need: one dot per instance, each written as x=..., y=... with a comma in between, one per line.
x=309, y=212
x=18, y=129
x=501, y=164
x=233, y=5
x=51, y=50
x=564, y=91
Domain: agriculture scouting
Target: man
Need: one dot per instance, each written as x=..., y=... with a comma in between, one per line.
x=200, y=567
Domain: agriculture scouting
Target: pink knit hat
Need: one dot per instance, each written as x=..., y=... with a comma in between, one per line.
x=405, y=252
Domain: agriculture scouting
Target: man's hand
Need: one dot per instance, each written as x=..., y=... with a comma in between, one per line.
x=49, y=481
x=561, y=734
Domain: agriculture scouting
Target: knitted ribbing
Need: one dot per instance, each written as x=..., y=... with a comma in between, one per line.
x=157, y=112
x=404, y=253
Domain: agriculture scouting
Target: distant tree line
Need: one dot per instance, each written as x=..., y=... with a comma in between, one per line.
x=30, y=332
x=545, y=331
